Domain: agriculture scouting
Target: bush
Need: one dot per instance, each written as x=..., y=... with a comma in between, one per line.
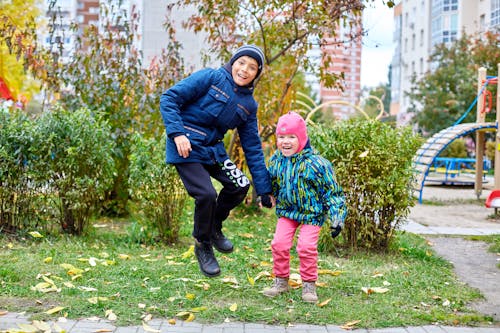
x=75, y=163
x=18, y=190
x=53, y=170
x=373, y=163
x=157, y=188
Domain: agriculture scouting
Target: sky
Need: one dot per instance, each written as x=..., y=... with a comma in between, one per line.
x=378, y=46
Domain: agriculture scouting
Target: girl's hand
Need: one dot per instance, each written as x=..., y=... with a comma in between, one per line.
x=183, y=145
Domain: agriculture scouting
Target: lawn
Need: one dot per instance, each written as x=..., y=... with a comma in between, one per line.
x=114, y=271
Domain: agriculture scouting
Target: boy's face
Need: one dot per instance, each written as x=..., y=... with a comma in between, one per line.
x=244, y=70
x=288, y=144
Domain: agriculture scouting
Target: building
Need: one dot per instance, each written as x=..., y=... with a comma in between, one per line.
x=152, y=37
x=422, y=24
x=346, y=59
x=346, y=55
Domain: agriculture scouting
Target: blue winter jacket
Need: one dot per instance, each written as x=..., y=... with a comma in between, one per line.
x=306, y=189
x=204, y=106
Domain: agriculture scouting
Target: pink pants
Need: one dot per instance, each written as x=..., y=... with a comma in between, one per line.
x=307, y=249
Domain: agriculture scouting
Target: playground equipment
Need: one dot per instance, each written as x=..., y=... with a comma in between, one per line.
x=428, y=154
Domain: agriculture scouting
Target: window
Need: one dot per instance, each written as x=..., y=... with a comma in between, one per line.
x=422, y=37
x=495, y=13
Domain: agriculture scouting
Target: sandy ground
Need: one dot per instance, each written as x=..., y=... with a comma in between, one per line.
x=473, y=264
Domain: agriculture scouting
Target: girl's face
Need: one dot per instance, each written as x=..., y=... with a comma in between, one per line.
x=244, y=70
x=288, y=144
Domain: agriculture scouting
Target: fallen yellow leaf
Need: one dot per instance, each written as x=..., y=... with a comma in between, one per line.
x=110, y=315
x=250, y=280
x=27, y=328
x=230, y=280
x=47, y=260
x=188, y=253
x=199, y=309
x=329, y=272
x=377, y=290
x=325, y=302
x=190, y=296
x=350, y=325
x=75, y=271
x=102, y=330
x=171, y=321
x=148, y=328
x=55, y=310
x=41, y=325
x=67, y=266
x=3, y=313
x=233, y=307
x=124, y=256
x=95, y=300
x=35, y=234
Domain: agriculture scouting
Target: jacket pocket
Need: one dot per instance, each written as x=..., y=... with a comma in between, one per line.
x=216, y=101
x=195, y=135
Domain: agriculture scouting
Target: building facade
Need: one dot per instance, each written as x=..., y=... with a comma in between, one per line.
x=422, y=24
x=346, y=59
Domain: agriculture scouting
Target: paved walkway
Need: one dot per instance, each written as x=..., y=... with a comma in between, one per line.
x=11, y=322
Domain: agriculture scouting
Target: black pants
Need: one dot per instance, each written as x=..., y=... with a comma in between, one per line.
x=212, y=208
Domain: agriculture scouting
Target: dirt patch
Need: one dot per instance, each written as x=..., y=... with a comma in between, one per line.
x=474, y=265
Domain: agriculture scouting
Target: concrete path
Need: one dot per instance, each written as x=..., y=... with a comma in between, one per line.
x=11, y=321
x=424, y=219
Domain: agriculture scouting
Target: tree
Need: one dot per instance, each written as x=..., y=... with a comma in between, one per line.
x=286, y=30
x=17, y=19
x=443, y=95
x=105, y=74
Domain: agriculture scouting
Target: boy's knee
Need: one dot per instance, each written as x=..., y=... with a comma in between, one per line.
x=208, y=196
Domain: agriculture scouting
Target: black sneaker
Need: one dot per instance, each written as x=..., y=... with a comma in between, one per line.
x=221, y=243
x=206, y=259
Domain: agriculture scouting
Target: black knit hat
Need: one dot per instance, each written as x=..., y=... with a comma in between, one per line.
x=252, y=51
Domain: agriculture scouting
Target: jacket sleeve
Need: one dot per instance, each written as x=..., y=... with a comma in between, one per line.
x=334, y=198
x=173, y=100
x=252, y=147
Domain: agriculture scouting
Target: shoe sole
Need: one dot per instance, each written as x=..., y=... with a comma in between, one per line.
x=223, y=250
x=206, y=273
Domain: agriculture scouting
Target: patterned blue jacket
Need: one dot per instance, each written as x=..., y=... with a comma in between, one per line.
x=204, y=106
x=306, y=189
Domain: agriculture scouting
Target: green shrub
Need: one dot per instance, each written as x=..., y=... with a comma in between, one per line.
x=157, y=188
x=18, y=190
x=373, y=163
x=75, y=163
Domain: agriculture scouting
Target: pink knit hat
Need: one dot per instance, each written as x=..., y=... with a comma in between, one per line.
x=293, y=123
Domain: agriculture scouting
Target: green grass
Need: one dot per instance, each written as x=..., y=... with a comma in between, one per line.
x=136, y=279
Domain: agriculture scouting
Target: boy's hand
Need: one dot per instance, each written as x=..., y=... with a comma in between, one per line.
x=183, y=145
x=267, y=200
